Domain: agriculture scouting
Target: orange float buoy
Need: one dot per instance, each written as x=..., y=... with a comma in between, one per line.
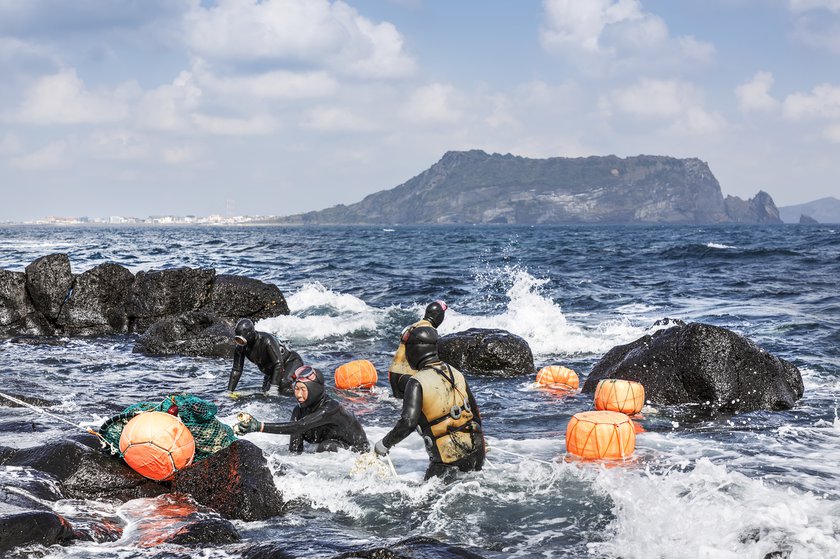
x=557, y=376
x=595, y=435
x=625, y=396
x=356, y=374
x=156, y=445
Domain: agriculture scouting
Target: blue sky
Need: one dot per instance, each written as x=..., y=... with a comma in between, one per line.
x=149, y=107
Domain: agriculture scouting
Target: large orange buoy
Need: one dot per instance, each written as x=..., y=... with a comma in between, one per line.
x=557, y=376
x=625, y=396
x=156, y=445
x=595, y=435
x=356, y=374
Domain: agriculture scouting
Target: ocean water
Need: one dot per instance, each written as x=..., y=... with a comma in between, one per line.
x=753, y=485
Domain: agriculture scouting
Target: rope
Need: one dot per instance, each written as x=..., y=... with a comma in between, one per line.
x=391, y=464
x=523, y=457
x=52, y=415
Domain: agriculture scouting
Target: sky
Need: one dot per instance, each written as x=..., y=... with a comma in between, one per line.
x=276, y=107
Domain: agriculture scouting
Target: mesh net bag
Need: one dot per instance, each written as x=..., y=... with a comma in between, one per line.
x=210, y=434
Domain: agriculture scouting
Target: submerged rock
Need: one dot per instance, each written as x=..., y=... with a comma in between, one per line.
x=235, y=481
x=33, y=527
x=193, y=333
x=419, y=547
x=490, y=352
x=702, y=364
x=176, y=519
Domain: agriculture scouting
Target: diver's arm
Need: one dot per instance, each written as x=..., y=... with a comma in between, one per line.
x=296, y=441
x=236, y=371
x=412, y=407
x=299, y=426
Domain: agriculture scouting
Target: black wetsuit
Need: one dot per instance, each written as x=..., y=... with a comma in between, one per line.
x=412, y=416
x=276, y=361
x=327, y=423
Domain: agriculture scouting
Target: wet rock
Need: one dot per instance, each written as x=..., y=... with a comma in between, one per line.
x=490, y=352
x=235, y=481
x=27, y=489
x=33, y=527
x=160, y=293
x=18, y=315
x=48, y=281
x=176, y=519
x=85, y=473
x=40, y=340
x=235, y=297
x=414, y=548
x=266, y=551
x=193, y=333
x=97, y=302
x=702, y=364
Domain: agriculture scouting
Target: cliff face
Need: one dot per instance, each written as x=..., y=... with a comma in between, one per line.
x=474, y=187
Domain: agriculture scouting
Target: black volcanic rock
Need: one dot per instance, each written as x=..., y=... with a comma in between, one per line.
x=710, y=366
x=487, y=352
x=33, y=527
x=159, y=293
x=474, y=187
x=96, y=304
x=193, y=333
x=48, y=281
x=17, y=312
x=233, y=297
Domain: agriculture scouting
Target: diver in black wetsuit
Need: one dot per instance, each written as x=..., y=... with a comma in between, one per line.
x=276, y=361
x=439, y=401
x=316, y=419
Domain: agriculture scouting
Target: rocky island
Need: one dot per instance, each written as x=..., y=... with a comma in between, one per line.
x=475, y=187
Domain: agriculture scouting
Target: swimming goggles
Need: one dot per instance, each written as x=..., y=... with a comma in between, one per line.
x=305, y=373
x=240, y=340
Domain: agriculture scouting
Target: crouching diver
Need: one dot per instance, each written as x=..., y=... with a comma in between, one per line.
x=276, y=361
x=316, y=419
x=400, y=370
x=439, y=402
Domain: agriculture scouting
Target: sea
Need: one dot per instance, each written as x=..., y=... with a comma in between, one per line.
x=751, y=485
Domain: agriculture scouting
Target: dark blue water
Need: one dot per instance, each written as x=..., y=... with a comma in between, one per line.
x=737, y=486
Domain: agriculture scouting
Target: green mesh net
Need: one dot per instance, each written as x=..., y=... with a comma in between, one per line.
x=210, y=434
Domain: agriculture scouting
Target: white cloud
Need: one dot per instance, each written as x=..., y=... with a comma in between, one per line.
x=754, y=95
x=432, y=104
x=832, y=133
x=316, y=32
x=278, y=84
x=119, y=145
x=595, y=32
x=335, y=119
x=62, y=98
x=255, y=125
x=180, y=155
x=807, y=5
x=675, y=105
x=823, y=102
x=10, y=144
x=167, y=107
x=50, y=156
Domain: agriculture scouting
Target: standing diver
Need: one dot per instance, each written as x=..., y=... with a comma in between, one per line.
x=316, y=419
x=439, y=401
x=276, y=361
x=400, y=370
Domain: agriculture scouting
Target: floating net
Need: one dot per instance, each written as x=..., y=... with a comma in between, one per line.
x=210, y=434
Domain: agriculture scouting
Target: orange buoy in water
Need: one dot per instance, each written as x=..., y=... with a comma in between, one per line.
x=595, y=435
x=156, y=445
x=557, y=376
x=356, y=374
x=625, y=396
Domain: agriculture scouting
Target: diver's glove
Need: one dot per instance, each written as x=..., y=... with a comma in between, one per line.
x=380, y=449
x=247, y=424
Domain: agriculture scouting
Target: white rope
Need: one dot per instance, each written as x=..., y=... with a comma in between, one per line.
x=523, y=457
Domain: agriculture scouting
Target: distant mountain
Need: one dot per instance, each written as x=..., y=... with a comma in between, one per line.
x=824, y=210
x=474, y=187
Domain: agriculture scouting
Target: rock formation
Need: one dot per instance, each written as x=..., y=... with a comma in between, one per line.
x=474, y=187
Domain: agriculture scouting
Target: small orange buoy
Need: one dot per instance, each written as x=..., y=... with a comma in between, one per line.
x=625, y=396
x=595, y=435
x=156, y=445
x=356, y=374
x=557, y=376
